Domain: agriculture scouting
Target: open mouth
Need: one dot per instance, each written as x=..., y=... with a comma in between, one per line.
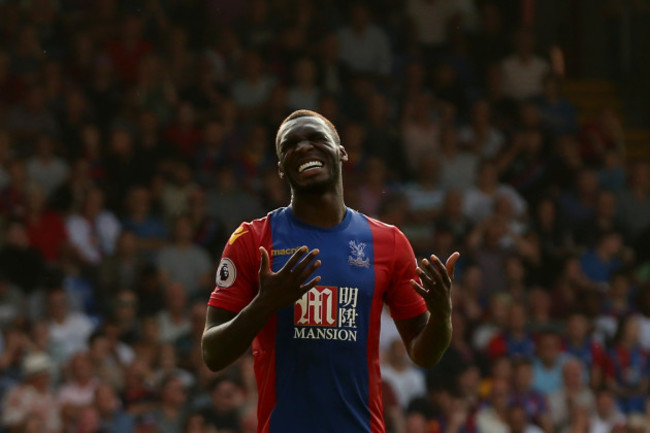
x=309, y=165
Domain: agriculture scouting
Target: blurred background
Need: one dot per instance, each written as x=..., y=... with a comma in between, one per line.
x=136, y=135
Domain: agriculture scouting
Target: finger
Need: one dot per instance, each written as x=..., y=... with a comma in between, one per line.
x=311, y=284
x=310, y=270
x=418, y=288
x=427, y=280
x=431, y=271
x=295, y=258
x=265, y=262
x=451, y=264
x=300, y=267
x=442, y=271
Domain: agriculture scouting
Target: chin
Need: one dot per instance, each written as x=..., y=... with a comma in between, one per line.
x=313, y=187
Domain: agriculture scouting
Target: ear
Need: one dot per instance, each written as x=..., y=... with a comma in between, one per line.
x=344, y=154
x=280, y=172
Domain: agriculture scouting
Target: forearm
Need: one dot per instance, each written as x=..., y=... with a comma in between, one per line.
x=430, y=344
x=224, y=343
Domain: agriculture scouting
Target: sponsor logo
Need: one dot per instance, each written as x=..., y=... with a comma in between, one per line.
x=317, y=307
x=226, y=273
x=327, y=313
x=284, y=251
x=357, y=255
x=236, y=234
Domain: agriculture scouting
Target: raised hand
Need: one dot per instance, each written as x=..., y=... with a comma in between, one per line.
x=436, y=283
x=281, y=289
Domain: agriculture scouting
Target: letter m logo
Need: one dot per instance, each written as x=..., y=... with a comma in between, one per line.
x=317, y=307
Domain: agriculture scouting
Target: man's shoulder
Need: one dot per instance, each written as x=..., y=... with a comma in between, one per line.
x=377, y=224
x=255, y=228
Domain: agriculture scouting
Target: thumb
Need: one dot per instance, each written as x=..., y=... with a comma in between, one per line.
x=451, y=264
x=265, y=262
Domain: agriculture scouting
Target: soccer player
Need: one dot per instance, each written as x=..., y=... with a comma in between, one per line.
x=306, y=285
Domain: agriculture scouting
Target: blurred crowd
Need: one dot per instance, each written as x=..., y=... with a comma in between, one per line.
x=136, y=135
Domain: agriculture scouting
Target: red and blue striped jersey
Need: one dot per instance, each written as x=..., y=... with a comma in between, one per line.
x=317, y=361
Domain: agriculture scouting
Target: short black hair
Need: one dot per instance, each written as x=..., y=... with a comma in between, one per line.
x=307, y=113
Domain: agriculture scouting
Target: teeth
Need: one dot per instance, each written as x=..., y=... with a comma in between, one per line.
x=309, y=164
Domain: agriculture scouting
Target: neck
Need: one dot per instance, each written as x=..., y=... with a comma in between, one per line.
x=324, y=210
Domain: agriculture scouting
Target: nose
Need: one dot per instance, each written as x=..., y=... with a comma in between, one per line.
x=303, y=145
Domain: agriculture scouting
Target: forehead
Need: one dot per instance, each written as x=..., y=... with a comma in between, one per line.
x=303, y=125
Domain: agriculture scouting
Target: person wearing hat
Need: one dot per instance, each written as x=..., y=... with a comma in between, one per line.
x=33, y=398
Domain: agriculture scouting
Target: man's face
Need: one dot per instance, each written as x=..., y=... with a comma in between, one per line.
x=309, y=155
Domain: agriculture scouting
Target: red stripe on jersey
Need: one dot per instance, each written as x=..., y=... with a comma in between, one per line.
x=394, y=264
x=374, y=373
x=265, y=373
x=264, y=354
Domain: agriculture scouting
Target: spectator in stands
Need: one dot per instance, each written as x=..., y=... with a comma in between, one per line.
x=364, y=46
x=183, y=133
x=607, y=416
x=209, y=232
x=78, y=388
x=600, y=262
x=479, y=200
x=634, y=204
x=184, y=262
x=579, y=203
x=12, y=303
x=20, y=262
x=111, y=416
x=580, y=344
x=45, y=226
x=33, y=397
x=523, y=71
x=604, y=132
x=14, y=195
x=176, y=189
x=480, y=135
x=228, y=201
x=573, y=393
x=252, y=90
x=226, y=396
x=535, y=403
x=420, y=129
x=548, y=364
x=429, y=21
x=149, y=230
x=212, y=152
x=605, y=219
x=172, y=320
x=458, y=168
x=93, y=230
x=397, y=370
x=123, y=312
x=31, y=118
x=452, y=215
x=493, y=415
x=122, y=269
x=558, y=114
x=612, y=176
x=68, y=330
x=518, y=421
x=304, y=93
x=45, y=167
x=169, y=414
x=627, y=372
x=128, y=48
x=515, y=341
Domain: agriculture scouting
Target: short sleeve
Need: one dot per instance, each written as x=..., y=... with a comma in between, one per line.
x=236, y=277
x=403, y=300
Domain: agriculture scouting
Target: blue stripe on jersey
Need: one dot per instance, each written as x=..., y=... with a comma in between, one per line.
x=322, y=367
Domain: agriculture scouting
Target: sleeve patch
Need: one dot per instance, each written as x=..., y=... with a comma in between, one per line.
x=226, y=273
